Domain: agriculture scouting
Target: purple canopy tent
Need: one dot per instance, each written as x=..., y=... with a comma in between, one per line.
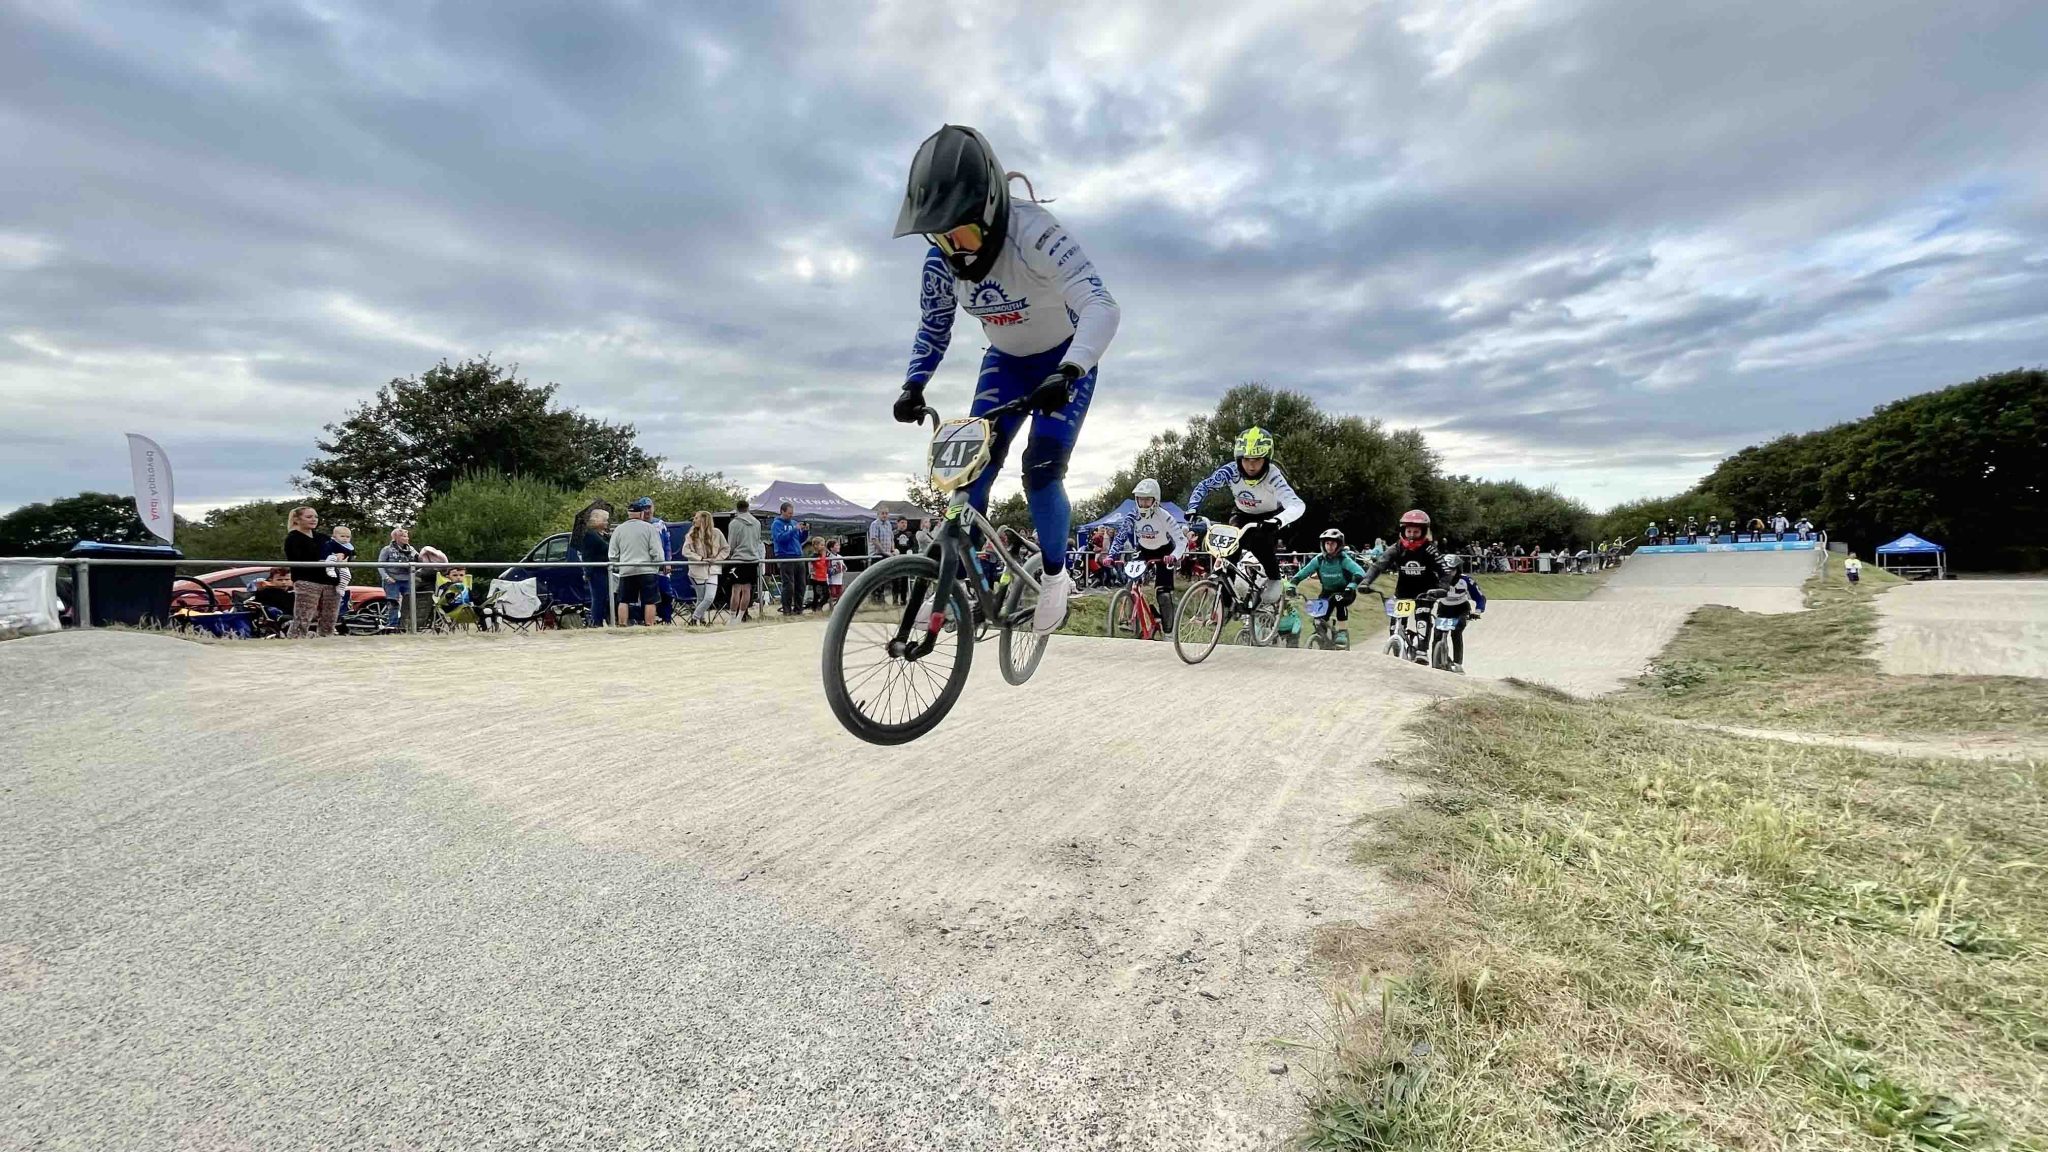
x=810, y=501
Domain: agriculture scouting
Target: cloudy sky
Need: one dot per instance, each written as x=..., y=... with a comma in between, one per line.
x=1589, y=243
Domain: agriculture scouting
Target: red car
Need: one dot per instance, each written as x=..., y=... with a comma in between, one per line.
x=226, y=586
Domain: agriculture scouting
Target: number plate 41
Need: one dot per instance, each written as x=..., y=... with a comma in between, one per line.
x=959, y=452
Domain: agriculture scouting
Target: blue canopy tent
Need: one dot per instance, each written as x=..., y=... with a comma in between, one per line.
x=1912, y=555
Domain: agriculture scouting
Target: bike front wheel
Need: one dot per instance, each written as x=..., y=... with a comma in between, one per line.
x=878, y=687
x=1020, y=648
x=1198, y=621
x=1440, y=652
x=1123, y=615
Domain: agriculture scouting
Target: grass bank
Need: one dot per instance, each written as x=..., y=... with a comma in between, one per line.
x=1626, y=935
x=1813, y=671
x=1526, y=585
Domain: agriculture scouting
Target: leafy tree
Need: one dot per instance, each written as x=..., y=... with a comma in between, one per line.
x=51, y=529
x=256, y=531
x=1013, y=512
x=1472, y=511
x=1963, y=466
x=489, y=516
x=1354, y=474
x=923, y=493
x=388, y=458
x=678, y=493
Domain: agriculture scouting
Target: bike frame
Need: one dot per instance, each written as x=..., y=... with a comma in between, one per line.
x=953, y=546
x=1148, y=616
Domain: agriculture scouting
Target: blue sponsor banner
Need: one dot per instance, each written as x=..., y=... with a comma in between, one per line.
x=1745, y=546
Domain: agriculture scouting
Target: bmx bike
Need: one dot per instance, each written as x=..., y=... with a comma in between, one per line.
x=1325, y=634
x=892, y=672
x=1131, y=616
x=1233, y=588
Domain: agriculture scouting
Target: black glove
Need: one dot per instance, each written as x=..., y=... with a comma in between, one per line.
x=909, y=407
x=1057, y=391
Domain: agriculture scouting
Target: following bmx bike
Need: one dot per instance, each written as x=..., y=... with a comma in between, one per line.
x=1130, y=614
x=1232, y=588
x=893, y=672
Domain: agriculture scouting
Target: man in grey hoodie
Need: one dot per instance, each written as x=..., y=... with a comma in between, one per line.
x=743, y=550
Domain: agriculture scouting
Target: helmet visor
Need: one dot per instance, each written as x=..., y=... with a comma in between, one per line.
x=964, y=239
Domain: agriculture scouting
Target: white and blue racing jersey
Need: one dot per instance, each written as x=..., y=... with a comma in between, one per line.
x=1150, y=531
x=1042, y=292
x=1268, y=494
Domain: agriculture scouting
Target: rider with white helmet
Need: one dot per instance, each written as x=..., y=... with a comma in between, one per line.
x=1262, y=500
x=1150, y=530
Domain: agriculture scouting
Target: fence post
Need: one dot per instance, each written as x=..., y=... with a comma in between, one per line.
x=412, y=598
x=83, y=600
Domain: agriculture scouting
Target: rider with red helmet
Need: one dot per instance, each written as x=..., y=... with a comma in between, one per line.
x=1414, y=560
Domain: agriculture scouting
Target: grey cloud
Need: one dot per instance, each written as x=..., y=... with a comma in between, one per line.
x=1611, y=221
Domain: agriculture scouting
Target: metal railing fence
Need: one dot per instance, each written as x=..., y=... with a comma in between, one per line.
x=83, y=565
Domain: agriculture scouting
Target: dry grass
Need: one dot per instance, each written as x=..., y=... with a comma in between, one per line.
x=1627, y=936
x=1813, y=671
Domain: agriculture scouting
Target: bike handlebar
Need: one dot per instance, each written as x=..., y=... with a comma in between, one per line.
x=1020, y=405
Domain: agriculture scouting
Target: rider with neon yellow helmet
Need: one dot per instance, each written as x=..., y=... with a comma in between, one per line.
x=1261, y=499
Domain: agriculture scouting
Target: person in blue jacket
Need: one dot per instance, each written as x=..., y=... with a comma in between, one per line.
x=787, y=537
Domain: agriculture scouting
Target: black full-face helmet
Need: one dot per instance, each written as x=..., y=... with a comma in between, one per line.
x=956, y=180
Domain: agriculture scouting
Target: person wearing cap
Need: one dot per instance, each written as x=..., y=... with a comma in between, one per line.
x=787, y=537
x=637, y=552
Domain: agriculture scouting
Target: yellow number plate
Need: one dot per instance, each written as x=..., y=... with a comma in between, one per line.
x=1404, y=607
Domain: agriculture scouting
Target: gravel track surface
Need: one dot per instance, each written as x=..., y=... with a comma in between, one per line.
x=1585, y=647
x=1964, y=628
x=639, y=890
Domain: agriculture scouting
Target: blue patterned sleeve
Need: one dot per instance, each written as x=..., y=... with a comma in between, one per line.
x=1122, y=542
x=936, y=303
x=1215, y=480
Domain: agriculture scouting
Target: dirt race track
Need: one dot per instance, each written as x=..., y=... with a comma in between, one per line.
x=1965, y=627
x=1751, y=581
x=640, y=891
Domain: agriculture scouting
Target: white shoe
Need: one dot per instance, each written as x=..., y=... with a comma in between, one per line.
x=1052, y=602
x=1271, y=593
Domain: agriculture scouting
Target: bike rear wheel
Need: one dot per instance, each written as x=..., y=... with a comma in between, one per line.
x=1198, y=621
x=1019, y=649
x=1123, y=615
x=883, y=696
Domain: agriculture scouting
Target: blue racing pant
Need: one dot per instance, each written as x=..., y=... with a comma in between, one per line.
x=1005, y=378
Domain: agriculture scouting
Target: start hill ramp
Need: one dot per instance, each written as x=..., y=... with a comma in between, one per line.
x=1752, y=581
